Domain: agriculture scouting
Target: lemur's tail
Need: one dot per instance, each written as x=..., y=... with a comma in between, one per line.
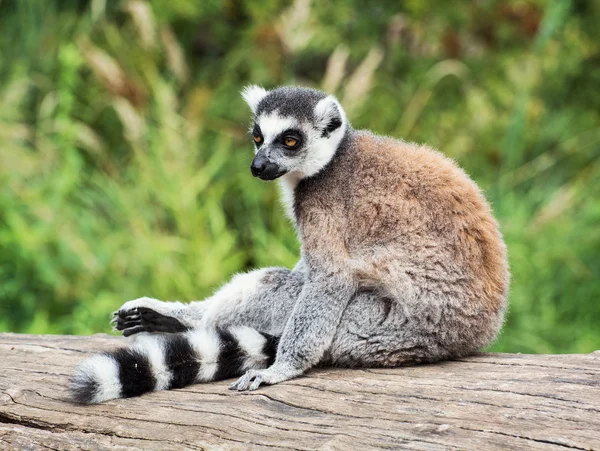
x=161, y=362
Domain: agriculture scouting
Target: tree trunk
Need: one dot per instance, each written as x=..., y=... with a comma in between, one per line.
x=484, y=402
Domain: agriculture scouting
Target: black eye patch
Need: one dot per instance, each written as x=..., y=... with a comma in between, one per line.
x=257, y=135
x=294, y=134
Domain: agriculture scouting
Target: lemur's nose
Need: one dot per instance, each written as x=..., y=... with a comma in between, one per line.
x=258, y=166
x=264, y=169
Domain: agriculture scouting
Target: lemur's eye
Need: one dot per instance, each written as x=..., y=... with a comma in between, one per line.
x=290, y=142
x=257, y=139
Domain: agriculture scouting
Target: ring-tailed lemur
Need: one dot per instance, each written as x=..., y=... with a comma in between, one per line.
x=401, y=262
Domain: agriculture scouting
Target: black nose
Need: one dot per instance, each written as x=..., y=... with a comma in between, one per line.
x=259, y=165
x=262, y=168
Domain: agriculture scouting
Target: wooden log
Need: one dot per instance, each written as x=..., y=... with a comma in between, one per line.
x=484, y=402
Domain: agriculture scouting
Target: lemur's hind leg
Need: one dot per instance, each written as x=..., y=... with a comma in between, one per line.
x=236, y=330
x=262, y=299
x=151, y=315
x=378, y=331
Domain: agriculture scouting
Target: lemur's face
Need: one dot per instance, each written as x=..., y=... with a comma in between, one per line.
x=295, y=130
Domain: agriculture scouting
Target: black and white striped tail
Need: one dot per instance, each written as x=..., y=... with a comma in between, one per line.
x=161, y=362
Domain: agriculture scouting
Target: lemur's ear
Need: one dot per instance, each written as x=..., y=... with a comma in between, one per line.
x=253, y=95
x=329, y=115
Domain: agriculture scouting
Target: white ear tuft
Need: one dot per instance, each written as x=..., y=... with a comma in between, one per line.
x=253, y=95
x=329, y=115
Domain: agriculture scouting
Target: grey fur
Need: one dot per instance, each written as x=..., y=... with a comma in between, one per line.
x=292, y=102
x=402, y=261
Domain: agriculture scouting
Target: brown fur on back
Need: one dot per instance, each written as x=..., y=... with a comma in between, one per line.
x=411, y=224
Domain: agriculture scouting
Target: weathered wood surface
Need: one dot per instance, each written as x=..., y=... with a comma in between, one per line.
x=489, y=401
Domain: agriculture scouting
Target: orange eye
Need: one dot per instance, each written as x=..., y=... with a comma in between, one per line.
x=257, y=139
x=290, y=142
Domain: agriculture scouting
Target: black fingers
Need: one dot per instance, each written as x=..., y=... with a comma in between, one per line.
x=128, y=321
x=143, y=319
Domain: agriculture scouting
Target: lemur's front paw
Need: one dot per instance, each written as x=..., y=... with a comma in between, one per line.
x=272, y=375
x=145, y=315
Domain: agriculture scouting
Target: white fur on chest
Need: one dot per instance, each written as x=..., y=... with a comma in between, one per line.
x=287, y=185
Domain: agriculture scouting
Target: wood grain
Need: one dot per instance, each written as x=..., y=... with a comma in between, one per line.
x=485, y=402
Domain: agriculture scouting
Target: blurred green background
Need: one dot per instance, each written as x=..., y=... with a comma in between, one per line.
x=124, y=154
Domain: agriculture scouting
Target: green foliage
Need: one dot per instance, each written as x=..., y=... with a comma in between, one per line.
x=124, y=155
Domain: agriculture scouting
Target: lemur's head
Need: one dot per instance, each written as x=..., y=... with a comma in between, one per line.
x=295, y=130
